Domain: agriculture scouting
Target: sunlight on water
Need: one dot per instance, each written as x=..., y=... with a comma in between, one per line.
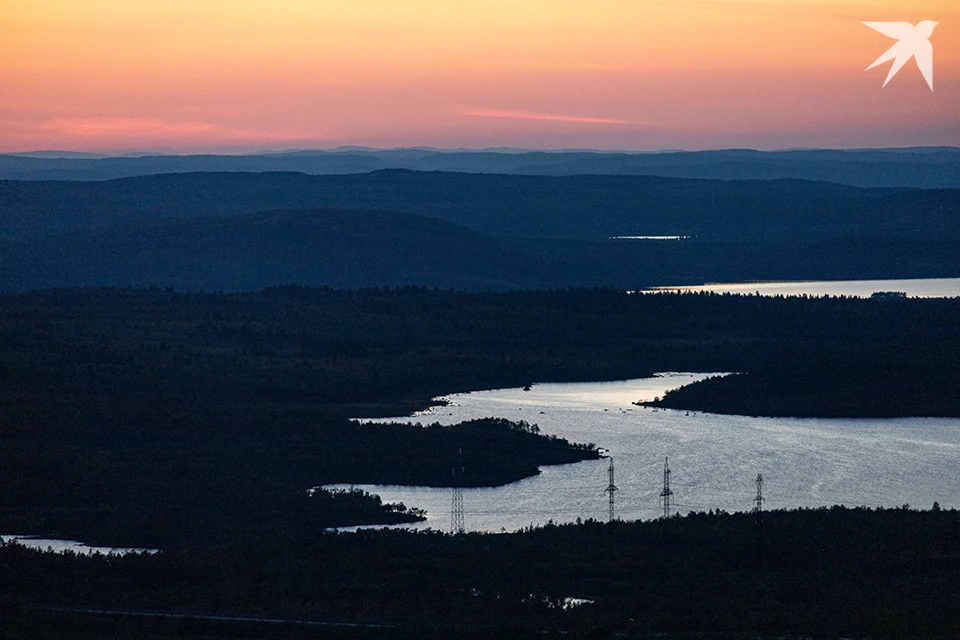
x=714, y=459
x=920, y=288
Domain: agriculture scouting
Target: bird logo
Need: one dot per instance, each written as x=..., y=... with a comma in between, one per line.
x=913, y=41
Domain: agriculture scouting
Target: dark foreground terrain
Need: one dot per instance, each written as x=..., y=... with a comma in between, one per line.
x=823, y=573
x=196, y=423
x=162, y=419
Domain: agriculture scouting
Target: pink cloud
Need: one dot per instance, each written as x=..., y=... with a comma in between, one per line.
x=112, y=126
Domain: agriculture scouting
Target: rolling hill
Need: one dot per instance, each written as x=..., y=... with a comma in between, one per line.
x=245, y=231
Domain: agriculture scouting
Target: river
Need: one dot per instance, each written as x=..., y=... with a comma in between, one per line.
x=714, y=459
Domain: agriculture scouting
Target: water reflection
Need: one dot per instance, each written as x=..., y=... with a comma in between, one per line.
x=714, y=459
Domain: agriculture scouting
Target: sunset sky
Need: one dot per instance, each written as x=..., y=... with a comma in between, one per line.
x=240, y=75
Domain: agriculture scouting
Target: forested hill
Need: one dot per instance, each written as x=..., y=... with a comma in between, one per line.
x=246, y=231
x=501, y=205
x=252, y=251
x=374, y=249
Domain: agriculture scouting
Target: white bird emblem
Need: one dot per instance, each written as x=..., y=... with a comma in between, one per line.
x=913, y=42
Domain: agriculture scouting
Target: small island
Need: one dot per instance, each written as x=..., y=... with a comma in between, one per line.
x=320, y=508
x=837, y=390
x=487, y=452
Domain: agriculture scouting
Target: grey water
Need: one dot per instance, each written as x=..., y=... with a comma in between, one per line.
x=917, y=288
x=61, y=546
x=714, y=459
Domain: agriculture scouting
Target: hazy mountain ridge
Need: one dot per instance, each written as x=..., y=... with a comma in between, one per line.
x=924, y=167
x=19, y=167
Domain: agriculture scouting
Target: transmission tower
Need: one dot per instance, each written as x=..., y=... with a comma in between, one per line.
x=758, y=501
x=666, y=493
x=456, y=507
x=611, y=488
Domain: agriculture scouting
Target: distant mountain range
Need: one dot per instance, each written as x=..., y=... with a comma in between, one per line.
x=246, y=231
x=925, y=167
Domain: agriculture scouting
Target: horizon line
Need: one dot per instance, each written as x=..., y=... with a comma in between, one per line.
x=67, y=154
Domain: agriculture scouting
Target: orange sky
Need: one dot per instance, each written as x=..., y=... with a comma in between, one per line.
x=237, y=75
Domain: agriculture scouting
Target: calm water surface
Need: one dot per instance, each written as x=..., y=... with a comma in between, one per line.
x=714, y=459
x=59, y=546
x=925, y=288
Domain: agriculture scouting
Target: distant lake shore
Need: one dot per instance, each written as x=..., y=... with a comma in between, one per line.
x=913, y=288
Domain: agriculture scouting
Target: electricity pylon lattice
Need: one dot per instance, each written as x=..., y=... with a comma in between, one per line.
x=611, y=488
x=758, y=501
x=666, y=493
x=456, y=506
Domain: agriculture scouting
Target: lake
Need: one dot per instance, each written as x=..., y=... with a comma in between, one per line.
x=60, y=546
x=714, y=459
x=918, y=288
